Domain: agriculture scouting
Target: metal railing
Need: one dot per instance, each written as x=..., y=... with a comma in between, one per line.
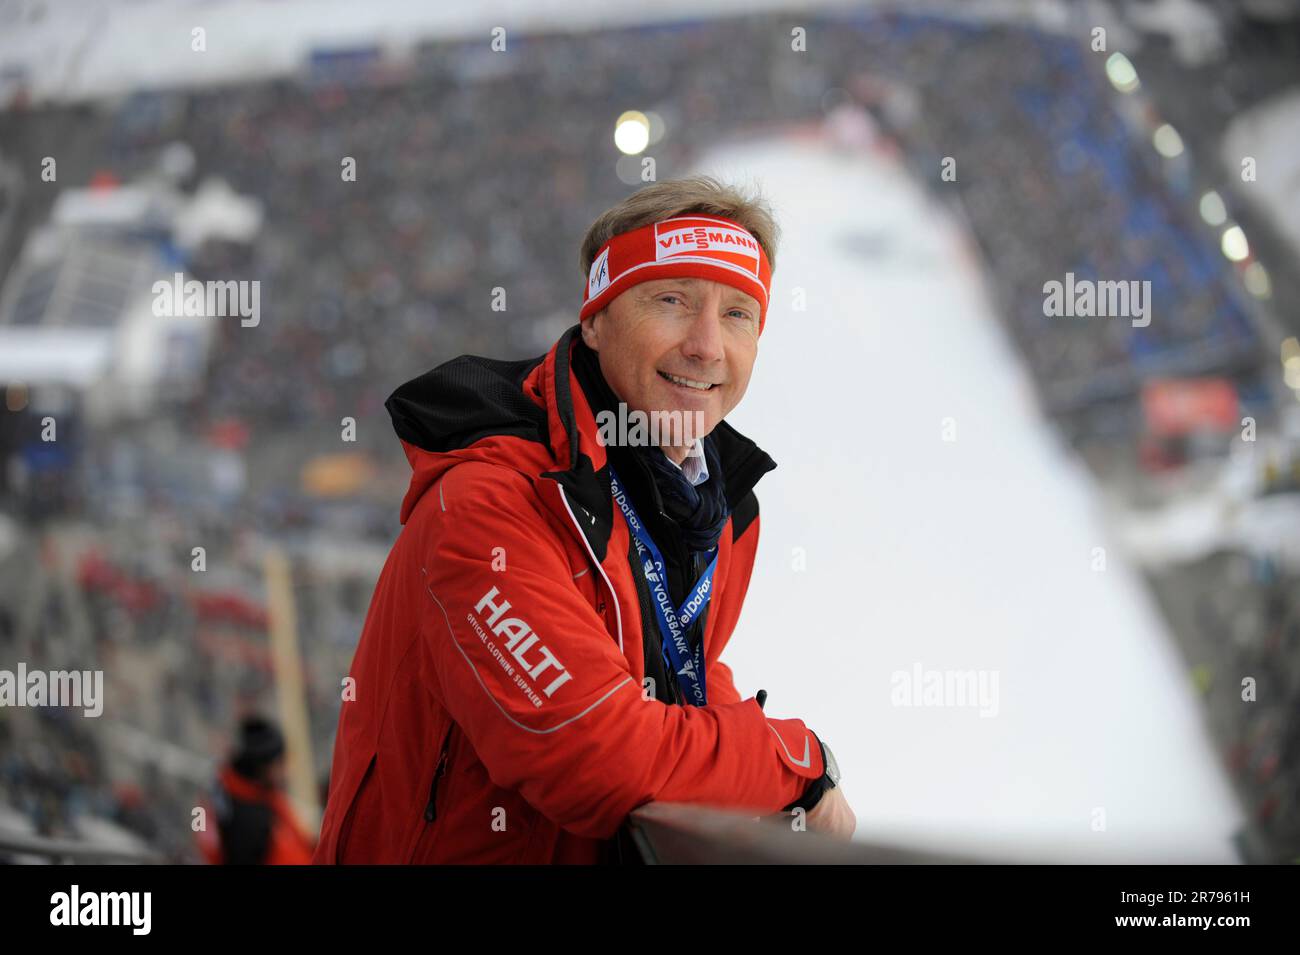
x=61, y=851
x=684, y=834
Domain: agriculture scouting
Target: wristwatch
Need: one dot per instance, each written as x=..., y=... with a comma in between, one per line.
x=829, y=779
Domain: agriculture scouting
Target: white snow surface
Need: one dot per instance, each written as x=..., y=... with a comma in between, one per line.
x=975, y=554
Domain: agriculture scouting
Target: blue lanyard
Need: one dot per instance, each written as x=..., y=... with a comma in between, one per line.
x=674, y=625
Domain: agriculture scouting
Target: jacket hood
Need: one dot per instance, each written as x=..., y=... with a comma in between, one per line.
x=462, y=410
x=531, y=415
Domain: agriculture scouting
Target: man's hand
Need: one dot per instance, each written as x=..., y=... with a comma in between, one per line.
x=833, y=816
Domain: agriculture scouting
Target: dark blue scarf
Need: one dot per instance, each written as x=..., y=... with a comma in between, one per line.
x=701, y=512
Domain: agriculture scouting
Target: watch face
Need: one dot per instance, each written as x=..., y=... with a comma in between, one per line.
x=832, y=767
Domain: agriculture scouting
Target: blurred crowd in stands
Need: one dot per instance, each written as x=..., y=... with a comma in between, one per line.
x=475, y=171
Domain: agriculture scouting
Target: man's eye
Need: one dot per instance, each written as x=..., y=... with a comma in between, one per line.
x=664, y=297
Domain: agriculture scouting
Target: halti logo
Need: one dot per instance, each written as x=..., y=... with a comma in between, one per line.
x=520, y=638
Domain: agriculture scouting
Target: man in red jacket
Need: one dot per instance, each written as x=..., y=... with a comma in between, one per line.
x=541, y=653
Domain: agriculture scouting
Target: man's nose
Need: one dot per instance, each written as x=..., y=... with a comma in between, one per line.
x=704, y=341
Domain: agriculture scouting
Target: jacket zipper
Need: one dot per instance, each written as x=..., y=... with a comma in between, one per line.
x=431, y=810
x=582, y=536
x=641, y=588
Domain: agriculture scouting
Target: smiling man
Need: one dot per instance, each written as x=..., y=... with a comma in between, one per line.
x=682, y=373
x=542, y=651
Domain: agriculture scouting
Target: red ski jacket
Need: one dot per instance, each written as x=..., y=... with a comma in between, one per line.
x=497, y=713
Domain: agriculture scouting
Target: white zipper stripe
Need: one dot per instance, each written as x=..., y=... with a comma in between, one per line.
x=618, y=614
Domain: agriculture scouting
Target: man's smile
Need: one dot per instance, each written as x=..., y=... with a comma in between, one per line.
x=690, y=383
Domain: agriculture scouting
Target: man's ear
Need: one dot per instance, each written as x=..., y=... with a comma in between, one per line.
x=590, y=335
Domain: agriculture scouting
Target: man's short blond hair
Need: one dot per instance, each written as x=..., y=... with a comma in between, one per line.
x=695, y=194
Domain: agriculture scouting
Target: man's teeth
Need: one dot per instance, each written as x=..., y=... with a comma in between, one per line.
x=678, y=380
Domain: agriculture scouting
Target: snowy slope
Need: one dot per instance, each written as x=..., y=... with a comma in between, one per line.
x=973, y=554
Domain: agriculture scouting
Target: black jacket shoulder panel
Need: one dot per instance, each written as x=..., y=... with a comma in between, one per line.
x=464, y=400
x=743, y=515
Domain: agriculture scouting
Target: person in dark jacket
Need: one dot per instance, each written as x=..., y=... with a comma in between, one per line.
x=255, y=825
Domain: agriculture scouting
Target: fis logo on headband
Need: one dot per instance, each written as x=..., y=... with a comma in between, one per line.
x=709, y=238
x=598, y=279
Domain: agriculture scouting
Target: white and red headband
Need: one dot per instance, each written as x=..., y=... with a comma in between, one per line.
x=690, y=246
